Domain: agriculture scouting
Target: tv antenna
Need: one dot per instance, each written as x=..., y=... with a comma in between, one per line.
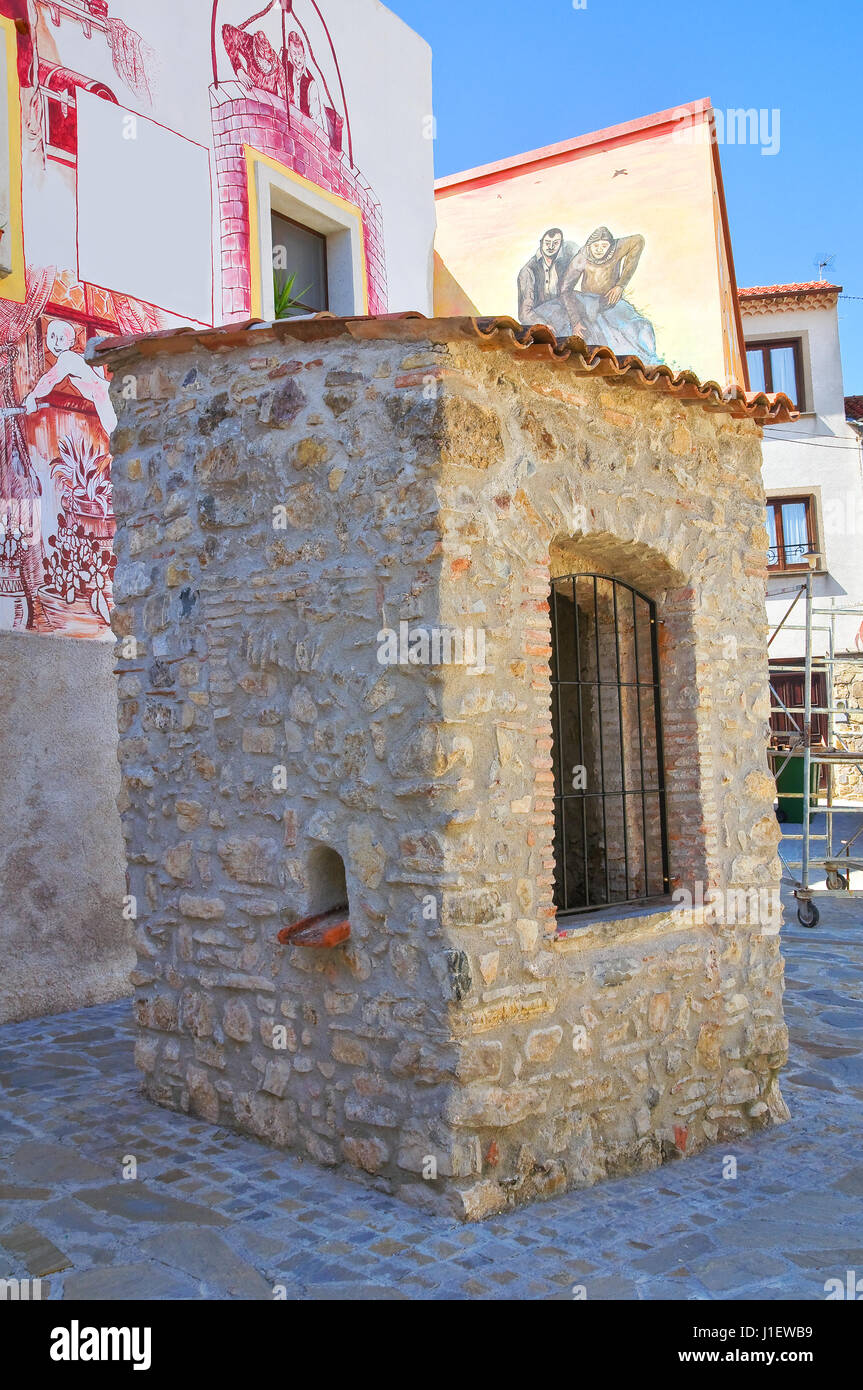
x=824, y=261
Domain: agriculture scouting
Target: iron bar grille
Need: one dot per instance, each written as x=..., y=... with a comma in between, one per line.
x=611, y=835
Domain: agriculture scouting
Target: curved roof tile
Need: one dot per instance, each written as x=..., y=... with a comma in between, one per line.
x=804, y=286
x=527, y=342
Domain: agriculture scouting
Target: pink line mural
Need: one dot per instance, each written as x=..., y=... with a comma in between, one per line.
x=274, y=76
x=292, y=73
x=56, y=418
x=276, y=86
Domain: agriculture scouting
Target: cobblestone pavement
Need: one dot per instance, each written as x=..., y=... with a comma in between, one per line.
x=216, y=1215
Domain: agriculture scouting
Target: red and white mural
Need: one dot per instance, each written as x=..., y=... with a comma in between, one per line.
x=56, y=519
x=113, y=234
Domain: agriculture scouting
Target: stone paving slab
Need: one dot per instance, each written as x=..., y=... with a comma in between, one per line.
x=217, y=1215
x=34, y=1250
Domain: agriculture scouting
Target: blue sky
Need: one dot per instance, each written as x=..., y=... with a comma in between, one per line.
x=512, y=77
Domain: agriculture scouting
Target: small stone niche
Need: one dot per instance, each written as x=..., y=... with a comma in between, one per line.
x=328, y=891
x=341, y=544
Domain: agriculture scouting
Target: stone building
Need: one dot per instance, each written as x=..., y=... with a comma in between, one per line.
x=161, y=162
x=445, y=794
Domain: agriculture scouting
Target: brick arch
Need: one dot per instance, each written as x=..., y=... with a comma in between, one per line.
x=646, y=567
x=651, y=572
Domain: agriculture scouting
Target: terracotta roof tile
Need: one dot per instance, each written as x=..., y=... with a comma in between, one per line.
x=854, y=407
x=804, y=287
x=534, y=342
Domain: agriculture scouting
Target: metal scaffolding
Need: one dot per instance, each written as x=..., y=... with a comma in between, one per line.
x=838, y=862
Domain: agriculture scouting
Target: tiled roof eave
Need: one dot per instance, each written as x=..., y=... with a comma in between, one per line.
x=534, y=342
x=537, y=340
x=766, y=299
x=793, y=287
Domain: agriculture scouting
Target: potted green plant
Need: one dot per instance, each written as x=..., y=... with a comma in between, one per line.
x=288, y=305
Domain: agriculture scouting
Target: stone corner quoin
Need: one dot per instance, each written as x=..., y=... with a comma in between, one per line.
x=282, y=505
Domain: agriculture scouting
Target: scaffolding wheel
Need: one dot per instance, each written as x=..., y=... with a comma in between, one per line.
x=835, y=880
x=808, y=914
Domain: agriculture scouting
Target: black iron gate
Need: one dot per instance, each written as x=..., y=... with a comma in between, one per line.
x=611, y=837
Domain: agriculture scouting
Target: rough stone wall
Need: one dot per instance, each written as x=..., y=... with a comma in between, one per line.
x=281, y=502
x=848, y=686
x=63, y=939
x=639, y=1039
